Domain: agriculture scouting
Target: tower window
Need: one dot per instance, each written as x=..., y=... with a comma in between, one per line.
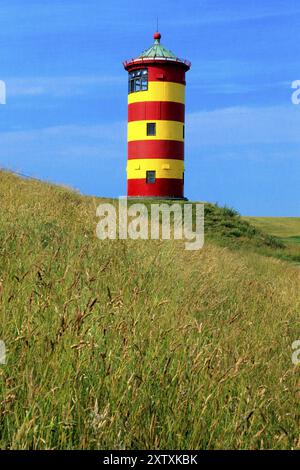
x=151, y=128
x=183, y=131
x=150, y=177
x=138, y=80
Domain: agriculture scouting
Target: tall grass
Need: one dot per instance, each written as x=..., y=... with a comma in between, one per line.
x=138, y=345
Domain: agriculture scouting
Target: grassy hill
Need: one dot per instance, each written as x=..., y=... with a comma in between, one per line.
x=141, y=344
x=283, y=227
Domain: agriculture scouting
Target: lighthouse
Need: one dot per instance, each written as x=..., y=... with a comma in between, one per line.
x=156, y=113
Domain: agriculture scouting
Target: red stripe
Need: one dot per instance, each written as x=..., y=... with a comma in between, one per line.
x=167, y=73
x=162, y=71
x=156, y=110
x=172, y=149
x=163, y=187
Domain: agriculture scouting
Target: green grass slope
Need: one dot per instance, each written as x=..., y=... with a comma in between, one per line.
x=283, y=227
x=140, y=344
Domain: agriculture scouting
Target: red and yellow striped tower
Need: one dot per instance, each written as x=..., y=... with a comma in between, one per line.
x=156, y=107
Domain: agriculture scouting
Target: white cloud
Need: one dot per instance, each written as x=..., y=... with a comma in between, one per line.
x=244, y=125
x=224, y=13
x=231, y=88
x=59, y=86
x=64, y=143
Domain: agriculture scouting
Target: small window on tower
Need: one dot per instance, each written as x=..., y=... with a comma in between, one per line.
x=150, y=177
x=151, y=128
x=183, y=131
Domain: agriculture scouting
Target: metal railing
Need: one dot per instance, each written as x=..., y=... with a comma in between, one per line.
x=146, y=59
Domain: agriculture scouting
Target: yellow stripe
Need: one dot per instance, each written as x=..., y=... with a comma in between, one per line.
x=164, y=168
x=159, y=91
x=165, y=130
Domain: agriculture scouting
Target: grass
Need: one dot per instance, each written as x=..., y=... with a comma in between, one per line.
x=141, y=345
x=283, y=227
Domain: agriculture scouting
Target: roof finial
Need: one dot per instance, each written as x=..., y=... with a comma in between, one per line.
x=157, y=35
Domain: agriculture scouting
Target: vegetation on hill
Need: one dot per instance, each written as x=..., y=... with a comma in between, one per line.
x=282, y=227
x=225, y=227
x=226, y=224
x=141, y=344
x=286, y=230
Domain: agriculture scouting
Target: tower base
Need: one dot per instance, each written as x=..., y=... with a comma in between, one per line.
x=156, y=198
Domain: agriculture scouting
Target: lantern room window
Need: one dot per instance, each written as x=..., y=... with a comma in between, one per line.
x=138, y=80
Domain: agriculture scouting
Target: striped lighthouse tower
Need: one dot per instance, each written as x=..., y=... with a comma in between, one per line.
x=156, y=108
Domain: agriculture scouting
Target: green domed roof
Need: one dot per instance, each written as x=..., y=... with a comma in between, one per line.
x=157, y=50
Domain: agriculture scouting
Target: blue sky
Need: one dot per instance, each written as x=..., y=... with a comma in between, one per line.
x=66, y=111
